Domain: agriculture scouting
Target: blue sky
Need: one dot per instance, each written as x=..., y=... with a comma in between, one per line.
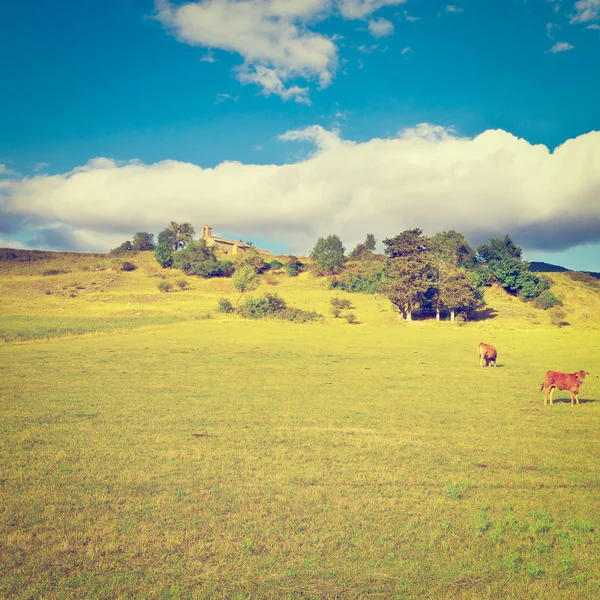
x=242, y=115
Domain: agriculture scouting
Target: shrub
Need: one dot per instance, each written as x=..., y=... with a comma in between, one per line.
x=182, y=284
x=225, y=306
x=275, y=264
x=547, y=300
x=265, y=306
x=341, y=303
x=164, y=286
x=557, y=316
x=351, y=318
x=272, y=305
x=293, y=267
x=54, y=272
x=128, y=266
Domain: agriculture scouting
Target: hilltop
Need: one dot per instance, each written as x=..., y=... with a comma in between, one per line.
x=44, y=294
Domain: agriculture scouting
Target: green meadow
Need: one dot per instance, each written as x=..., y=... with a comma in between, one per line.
x=152, y=447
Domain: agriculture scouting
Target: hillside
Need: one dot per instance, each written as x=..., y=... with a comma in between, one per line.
x=44, y=294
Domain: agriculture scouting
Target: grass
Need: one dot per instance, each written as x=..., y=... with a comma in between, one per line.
x=225, y=458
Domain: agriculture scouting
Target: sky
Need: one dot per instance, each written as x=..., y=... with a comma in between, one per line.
x=282, y=121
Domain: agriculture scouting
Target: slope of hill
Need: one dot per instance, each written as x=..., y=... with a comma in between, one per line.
x=55, y=294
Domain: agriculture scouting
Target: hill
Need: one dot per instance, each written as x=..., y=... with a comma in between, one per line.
x=48, y=294
x=543, y=267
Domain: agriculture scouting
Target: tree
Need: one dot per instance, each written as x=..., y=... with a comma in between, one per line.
x=499, y=249
x=143, y=241
x=365, y=250
x=196, y=258
x=245, y=279
x=328, y=255
x=457, y=292
x=171, y=239
x=408, y=270
x=371, y=242
x=452, y=248
x=502, y=257
x=123, y=249
x=251, y=257
x=408, y=243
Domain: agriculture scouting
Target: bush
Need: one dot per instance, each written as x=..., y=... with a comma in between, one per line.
x=128, y=266
x=293, y=267
x=272, y=305
x=340, y=303
x=275, y=264
x=54, y=272
x=351, y=318
x=182, y=284
x=265, y=306
x=547, y=300
x=225, y=306
x=164, y=286
x=557, y=316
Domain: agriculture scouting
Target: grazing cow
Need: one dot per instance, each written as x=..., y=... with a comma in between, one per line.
x=487, y=353
x=562, y=381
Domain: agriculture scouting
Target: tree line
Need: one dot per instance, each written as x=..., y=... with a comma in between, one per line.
x=437, y=273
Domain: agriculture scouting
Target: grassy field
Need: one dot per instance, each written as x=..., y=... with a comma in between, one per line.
x=203, y=456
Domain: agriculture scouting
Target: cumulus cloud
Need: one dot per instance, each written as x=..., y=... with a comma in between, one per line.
x=561, y=47
x=273, y=37
x=380, y=27
x=426, y=176
x=585, y=11
x=452, y=8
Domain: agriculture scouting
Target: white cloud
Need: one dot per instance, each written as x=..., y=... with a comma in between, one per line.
x=224, y=97
x=273, y=37
x=406, y=50
x=593, y=26
x=426, y=176
x=585, y=11
x=209, y=57
x=561, y=47
x=5, y=171
x=452, y=8
x=361, y=9
x=380, y=27
x=6, y=243
x=409, y=18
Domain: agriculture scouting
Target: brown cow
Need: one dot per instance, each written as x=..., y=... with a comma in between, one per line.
x=562, y=381
x=488, y=353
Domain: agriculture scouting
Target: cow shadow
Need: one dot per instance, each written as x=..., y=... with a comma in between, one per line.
x=568, y=401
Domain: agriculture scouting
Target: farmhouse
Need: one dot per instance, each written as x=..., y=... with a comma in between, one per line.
x=226, y=246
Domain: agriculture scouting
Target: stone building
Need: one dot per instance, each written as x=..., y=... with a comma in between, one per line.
x=226, y=246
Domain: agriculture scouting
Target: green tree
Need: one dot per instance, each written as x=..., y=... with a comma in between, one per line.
x=502, y=258
x=328, y=255
x=122, y=250
x=364, y=250
x=196, y=258
x=408, y=270
x=457, y=292
x=452, y=248
x=407, y=279
x=171, y=239
x=245, y=279
x=371, y=242
x=499, y=249
x=143, y=241
x=408, y=243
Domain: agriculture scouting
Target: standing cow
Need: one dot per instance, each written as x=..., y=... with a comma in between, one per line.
x=487, y=353
x=562, y=381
